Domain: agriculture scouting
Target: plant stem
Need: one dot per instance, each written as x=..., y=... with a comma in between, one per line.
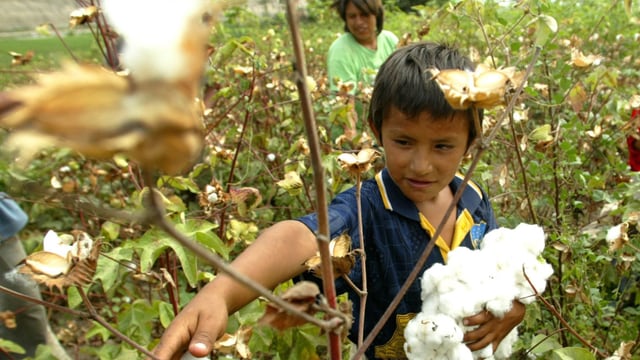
x=95, y=316
x=318, y=172
x=523, y=172
x=363, y=261
x=562, y=320
x=247, y=116
x=53, y=306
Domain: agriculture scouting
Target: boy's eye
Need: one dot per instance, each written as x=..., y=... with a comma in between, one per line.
x=401, y=142
x=444, y=146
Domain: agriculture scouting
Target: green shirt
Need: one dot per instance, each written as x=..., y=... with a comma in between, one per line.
x=349, y=61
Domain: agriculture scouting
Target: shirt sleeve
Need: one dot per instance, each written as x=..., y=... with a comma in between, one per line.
x=12, y=217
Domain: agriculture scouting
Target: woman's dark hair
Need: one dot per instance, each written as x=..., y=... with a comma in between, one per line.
x=404, y=81
x=366, y=6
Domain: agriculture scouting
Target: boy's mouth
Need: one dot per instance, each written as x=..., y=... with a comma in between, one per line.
x=419, y=183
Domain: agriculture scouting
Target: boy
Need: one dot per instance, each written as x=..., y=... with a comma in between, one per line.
x=424, y=141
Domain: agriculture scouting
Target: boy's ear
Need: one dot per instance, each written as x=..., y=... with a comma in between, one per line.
x=375, y=131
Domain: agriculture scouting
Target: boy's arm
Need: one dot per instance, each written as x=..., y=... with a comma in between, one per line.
x=492, y=330
x=276, y=255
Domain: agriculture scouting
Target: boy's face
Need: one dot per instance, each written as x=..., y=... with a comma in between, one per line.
x=423, y=154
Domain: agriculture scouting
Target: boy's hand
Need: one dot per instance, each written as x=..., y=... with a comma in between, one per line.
x=491, y=329
x=195, y=329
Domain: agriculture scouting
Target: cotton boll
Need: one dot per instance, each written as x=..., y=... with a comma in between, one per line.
x=614, y=233
x=431, y=335
x=538, y=273
x=533, y=237
x=431, y=279
x=490, y=278
x=495, y=239
x=447, y=285
x=505, y=348
x=461, y=259
x=500, y=306
x=60, y=245
x=430, y=306
x=484, y=353
x=460, y=352
x=458, y=304
x=156, y=32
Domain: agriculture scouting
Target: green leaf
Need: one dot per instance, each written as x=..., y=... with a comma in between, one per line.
x=223, y=54
x=98, y=330
x=73, y=297
x=543, y=344
x=11, y=347
x=572, y=353
x=110, y=230
x=110, y=268
x=134, y=320
x=155, y=242
x=179, y=183
x=213, y=242
x=242, y=231
x=165, y=313
x=127, y=354
x=546, y=27
x=541, y=134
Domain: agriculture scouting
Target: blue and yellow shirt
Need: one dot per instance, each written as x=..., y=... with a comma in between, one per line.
x=396, y=234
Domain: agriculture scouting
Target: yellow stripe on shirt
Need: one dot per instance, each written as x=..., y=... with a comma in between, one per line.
x=464, y=222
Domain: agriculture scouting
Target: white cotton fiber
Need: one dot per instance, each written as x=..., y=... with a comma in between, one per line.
x=473, y=281
x=154, y=33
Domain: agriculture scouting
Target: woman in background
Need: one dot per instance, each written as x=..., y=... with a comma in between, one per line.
x=354, y=57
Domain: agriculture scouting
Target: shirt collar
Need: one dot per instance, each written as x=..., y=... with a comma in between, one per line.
x=394, y=200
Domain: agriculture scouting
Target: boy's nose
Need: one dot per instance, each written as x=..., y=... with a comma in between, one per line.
x=421, y=164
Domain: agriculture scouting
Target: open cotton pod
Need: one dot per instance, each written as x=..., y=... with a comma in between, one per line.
x=483, y=88
x=358, y=163
x=63, y=263
x=343, y=258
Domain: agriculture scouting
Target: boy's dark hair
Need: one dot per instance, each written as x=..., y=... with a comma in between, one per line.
x=366, y=6
x=404, y=81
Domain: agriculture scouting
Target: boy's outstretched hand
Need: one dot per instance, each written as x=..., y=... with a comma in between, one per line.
x=492, y=329
x=195, y=329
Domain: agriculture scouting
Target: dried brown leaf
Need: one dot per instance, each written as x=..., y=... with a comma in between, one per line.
x=82, y=15
x=301, y=296
x=8, y=318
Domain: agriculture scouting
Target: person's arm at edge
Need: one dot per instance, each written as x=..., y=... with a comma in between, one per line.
x=276, y=255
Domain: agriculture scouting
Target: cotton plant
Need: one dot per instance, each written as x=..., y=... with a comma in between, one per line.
x=473, y=281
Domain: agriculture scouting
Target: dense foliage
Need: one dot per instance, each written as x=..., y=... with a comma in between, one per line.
x=560, y=162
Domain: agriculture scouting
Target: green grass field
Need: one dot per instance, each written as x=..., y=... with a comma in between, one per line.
x=49, y=51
